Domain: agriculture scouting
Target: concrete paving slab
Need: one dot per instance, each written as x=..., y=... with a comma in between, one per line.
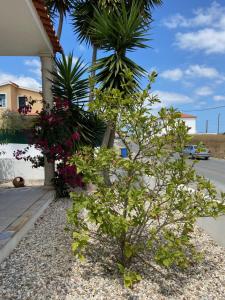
x=19, y=209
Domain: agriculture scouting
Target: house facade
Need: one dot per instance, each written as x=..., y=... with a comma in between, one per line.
x=13, y=97
x=190, y=122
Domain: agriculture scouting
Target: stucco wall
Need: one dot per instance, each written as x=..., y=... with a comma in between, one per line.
x=10, y=167
x=12, y=92
x=191, y=123
x=6, y=90
x=34, y=96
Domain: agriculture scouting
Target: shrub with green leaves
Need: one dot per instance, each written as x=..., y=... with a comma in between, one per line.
x=155, y=196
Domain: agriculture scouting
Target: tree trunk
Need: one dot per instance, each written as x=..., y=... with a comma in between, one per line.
x=111, y=138
x=105, y=141
x=94, y=59
x=60, y=26
x=105, y=144
x=108, y=141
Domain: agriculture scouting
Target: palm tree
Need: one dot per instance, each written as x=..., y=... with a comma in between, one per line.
x=119, y=32
x=68, y=83
x=59, y=8
x=83, y=14
x=147, y=6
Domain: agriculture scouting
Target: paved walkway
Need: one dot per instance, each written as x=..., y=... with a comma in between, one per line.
x=14, y=202
x=19, y=209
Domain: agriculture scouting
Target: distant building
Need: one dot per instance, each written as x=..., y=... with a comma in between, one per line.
x=190, y=122
x=13, y=96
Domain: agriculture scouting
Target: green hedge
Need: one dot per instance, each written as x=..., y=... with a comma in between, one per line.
x=15, y=137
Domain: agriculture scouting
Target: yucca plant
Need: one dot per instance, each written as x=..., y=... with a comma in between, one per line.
x=70, y=84
x=69, y=79
x=120, y=32
x=82, y=16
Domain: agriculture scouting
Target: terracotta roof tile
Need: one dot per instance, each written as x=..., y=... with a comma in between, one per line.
x=186, y=116
x=46, y=21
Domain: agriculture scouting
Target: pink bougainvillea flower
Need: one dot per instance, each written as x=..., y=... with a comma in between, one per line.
x=75, y=136
x=69, y=143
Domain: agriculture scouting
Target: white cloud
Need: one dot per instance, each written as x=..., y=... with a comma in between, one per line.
x=193, y=71
x=174, y=74
x=24, y=81
x=175, y=21
x=208, y=40
x=219, y=98
x=212, y=16
x=202, y=71
x=171, y=99
x=208, y=29
x=204, y=91
x=34, y=65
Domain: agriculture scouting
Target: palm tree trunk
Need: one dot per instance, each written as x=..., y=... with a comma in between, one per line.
x=111, y=138
x=105, y=141
x=60, y=26
x=92, y=85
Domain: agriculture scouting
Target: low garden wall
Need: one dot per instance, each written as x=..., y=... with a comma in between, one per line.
x=10, y=167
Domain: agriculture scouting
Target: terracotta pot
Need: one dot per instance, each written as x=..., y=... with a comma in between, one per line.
x=18, y=182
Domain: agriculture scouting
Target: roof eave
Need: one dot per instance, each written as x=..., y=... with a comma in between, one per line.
x=46, y=22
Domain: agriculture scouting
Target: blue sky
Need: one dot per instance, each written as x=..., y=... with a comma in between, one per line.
x=187, y=50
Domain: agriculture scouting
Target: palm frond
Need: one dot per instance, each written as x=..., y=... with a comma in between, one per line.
x=82, y=16
x=68, y=80
x=120, y=32
x=56, y=7
x=122, y=29
x=112, y=72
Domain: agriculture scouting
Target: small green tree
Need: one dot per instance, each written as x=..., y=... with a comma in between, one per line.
x=154, y=199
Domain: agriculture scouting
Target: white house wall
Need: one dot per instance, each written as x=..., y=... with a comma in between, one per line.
x=191, y=123
x=11, y=168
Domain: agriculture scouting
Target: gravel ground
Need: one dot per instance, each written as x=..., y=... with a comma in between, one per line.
x=43, y=267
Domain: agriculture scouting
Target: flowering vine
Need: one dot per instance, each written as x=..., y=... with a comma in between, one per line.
x=56, y=135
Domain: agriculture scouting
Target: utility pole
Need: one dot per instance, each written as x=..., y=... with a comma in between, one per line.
x=218, y=124
x=206, y=126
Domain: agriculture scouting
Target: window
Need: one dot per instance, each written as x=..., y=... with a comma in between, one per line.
x=2, y=100
x=22, y=101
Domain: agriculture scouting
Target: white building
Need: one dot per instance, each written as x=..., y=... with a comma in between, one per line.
x=190, y=122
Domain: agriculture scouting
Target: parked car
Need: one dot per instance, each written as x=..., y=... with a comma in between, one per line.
x=196, y=151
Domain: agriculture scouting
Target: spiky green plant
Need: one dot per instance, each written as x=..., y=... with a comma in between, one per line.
x=69, y=79
x=120, y=32
x=70, y=83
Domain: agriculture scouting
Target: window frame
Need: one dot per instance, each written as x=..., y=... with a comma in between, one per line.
x=18, y=96
x=6, y=100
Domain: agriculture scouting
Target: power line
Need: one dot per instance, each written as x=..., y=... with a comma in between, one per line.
x=204, y=109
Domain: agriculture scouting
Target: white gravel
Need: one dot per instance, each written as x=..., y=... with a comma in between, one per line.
x=43, y=267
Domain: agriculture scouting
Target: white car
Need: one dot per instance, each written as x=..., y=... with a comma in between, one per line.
x=196, y=151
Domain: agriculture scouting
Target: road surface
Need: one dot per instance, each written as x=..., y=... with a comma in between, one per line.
x=213, y=169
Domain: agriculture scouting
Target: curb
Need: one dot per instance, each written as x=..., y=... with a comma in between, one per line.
x=18, y=229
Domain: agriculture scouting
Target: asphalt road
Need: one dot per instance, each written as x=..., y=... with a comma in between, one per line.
x=213, y=169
